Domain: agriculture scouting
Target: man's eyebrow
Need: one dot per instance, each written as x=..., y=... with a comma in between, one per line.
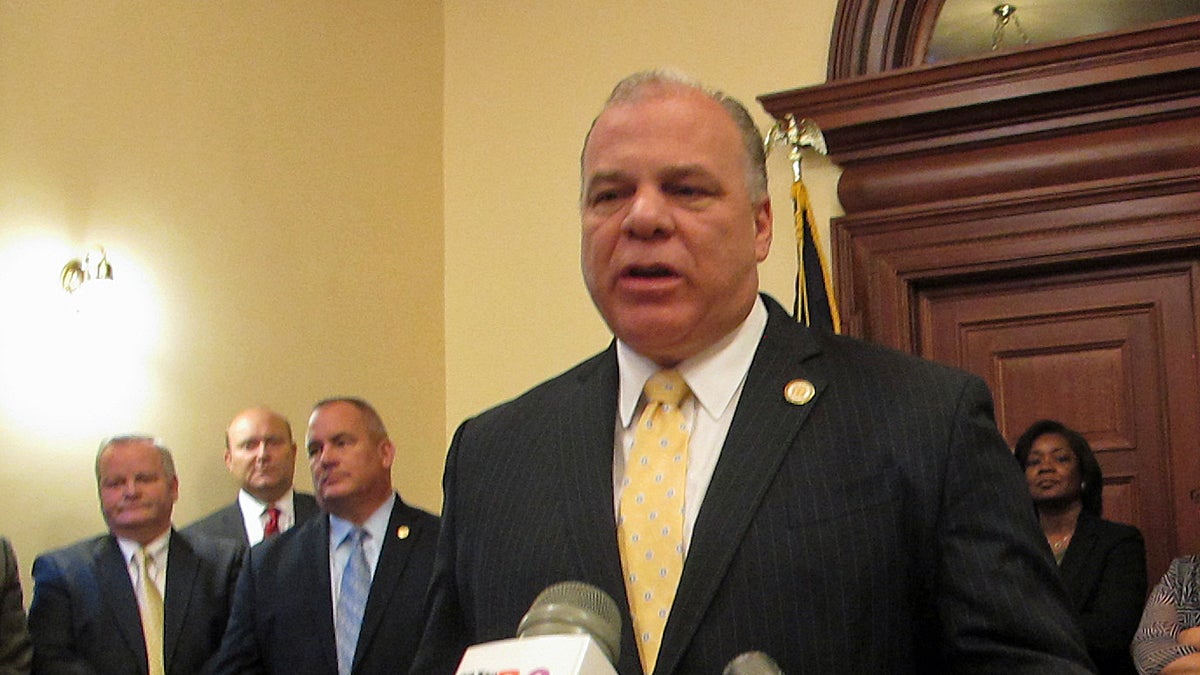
x=678, y=171
x=670, y=172
x=609, y=175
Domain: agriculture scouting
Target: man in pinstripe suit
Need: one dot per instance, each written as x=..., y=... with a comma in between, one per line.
x=848, y=509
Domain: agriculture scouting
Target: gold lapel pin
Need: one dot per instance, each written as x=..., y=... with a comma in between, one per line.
x=799, y=392
x=402, y=532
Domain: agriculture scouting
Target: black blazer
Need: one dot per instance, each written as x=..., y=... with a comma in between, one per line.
x=881, y=527
x=227, y=522
x=1104, y=570
x=282, y=618
x=84, y=615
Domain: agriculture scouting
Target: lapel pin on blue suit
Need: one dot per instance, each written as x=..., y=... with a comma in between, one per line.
x=799, y=392
x=402, y=532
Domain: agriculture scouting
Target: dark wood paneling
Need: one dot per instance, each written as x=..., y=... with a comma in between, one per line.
x=1070, y=171
x=1092, y=350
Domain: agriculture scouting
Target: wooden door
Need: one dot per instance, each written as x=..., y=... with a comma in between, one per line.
x=1033, y=216
x=1108, y=352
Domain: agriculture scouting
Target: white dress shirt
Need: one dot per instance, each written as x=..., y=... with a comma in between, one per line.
x=158, y=551
x=716, y=377
x=254, y=514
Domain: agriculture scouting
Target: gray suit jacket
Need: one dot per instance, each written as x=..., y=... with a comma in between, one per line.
x=883, y=527
x=84, y=616
x=227, y=523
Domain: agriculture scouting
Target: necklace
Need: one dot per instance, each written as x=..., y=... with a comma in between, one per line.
x=1061, y=543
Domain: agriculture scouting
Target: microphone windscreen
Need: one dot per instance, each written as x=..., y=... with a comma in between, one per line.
x=572, y=607
x=752, y=663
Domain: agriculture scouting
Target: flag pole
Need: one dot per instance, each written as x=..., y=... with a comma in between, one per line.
x=815, y=302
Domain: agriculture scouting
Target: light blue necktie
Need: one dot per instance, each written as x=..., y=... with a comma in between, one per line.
x=352, y=600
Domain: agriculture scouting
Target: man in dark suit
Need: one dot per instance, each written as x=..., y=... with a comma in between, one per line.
x=15, y=649
x=260, y=453
x=292, y=608
x=846, y=508
x=142, y=598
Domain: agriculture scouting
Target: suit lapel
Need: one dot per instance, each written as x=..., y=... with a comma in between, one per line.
x=764, y=427
x=582, y=455
x=233, y=522
x=393, y=556
x=314, y=545
x=1078, y=557
x=113, y=574
x=182, y=567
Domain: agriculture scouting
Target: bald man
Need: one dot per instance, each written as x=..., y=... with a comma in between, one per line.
x=345, y=592
x=261, y=454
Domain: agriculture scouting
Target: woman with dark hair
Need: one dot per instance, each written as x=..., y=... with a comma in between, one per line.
x=1102, y=563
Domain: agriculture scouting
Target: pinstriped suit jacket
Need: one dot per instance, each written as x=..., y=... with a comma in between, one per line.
x=881, y=528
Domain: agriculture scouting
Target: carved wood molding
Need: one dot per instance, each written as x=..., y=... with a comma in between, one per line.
x=943, y=152
x=893, y=256
x=874, y=36
x=904, y=135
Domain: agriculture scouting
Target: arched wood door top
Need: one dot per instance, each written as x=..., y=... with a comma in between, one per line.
x=875, y=36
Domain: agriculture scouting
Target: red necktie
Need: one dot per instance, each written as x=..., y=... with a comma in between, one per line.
x=272, y=527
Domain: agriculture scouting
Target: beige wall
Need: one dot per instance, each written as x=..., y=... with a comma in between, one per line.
x=523, y=81
x=266, y=178
x=374, y=198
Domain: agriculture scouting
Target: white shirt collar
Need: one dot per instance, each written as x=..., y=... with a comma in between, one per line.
x=156, y=548
x=706, y=374
x=251, y=504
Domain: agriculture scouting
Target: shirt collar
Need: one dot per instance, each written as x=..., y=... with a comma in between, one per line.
x=714, y=375
x=251, y=504
x=375, y=525
x=156, y=548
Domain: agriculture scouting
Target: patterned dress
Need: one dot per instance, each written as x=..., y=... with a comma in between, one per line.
x=1173, y=606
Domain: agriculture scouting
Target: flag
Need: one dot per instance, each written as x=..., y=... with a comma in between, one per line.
x=815, y=303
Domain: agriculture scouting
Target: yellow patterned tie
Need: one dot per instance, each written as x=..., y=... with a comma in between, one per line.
x=650, y=524
x=151, y=606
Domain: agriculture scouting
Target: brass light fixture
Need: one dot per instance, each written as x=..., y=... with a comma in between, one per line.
x=78, y=271
x=1006, y=14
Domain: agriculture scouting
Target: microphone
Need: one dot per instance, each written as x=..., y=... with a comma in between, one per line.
x=752, y=663
x=575, y=608
x=572, y=628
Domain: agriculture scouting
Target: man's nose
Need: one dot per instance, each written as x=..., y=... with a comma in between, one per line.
x=648, y=215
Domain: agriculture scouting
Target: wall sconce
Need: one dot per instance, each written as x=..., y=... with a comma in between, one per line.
x=92, y=267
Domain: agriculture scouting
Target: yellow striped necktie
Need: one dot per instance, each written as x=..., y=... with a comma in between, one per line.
x=650, y=522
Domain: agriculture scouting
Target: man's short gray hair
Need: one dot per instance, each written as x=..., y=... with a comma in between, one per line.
x=371, y=416
x=650, y=83
x=168, y=463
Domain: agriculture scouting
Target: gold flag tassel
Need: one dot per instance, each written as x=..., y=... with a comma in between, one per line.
x=815, y=303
